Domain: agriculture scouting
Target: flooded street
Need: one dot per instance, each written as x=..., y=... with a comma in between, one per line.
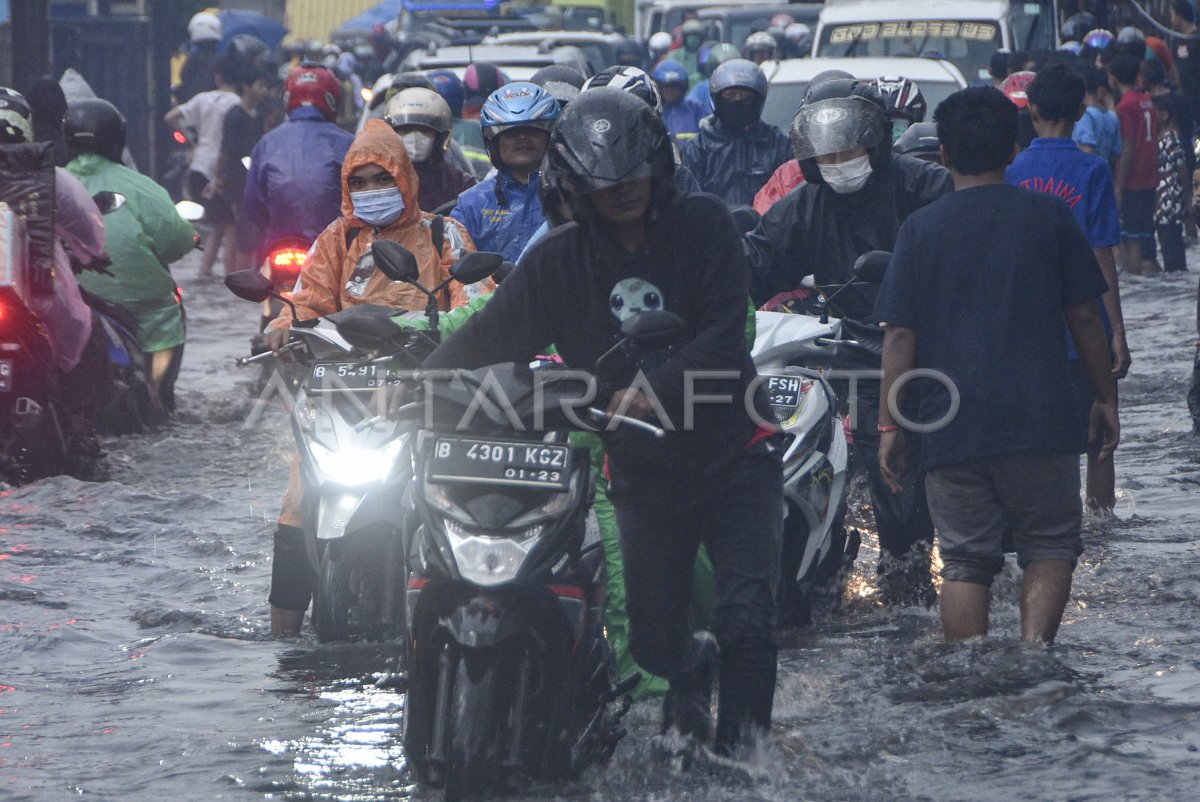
x=136, y=662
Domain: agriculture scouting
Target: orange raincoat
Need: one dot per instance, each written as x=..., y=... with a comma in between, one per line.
x=337, y=276
x=333, y=277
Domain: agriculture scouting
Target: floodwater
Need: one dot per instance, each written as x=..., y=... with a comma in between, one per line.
x=136, y=664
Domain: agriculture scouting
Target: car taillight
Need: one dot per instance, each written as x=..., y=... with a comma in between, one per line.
x=180, y=137
x=286, y=264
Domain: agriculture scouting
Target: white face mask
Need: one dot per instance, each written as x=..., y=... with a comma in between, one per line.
x=418, y=144
x=847, y=177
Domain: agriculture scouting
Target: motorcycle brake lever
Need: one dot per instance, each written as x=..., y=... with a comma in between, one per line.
x=625, y=420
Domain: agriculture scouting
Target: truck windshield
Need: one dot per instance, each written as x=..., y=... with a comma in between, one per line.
x=968, y=44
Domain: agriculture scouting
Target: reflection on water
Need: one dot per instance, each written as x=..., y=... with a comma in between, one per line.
x=136, y=663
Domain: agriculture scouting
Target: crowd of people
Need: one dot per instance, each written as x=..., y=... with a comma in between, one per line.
x=629, y=175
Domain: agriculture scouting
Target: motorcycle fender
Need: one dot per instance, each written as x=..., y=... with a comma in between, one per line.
x=482, y=622
x=335, y=511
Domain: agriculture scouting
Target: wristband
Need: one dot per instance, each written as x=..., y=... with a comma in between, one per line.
x=884, y=429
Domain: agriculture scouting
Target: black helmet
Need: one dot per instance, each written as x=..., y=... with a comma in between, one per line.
x=837, y=115
x=920, y=140
x=95, y=126
x=604, y=138
x=562, y=81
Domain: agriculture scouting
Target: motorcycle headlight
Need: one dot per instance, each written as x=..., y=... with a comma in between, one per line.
x=489, y=561
x=306, y=414
x=353, y=466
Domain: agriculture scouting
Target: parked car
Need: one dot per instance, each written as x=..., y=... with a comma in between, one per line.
x=787, y=80
x=666, y=15
x=519, y=62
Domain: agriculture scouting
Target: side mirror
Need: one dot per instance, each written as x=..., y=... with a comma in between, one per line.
x=503, y=270
x=871, y=266
x=249, y=285
x=189, y=210
x=108, y=201
x=745, y=219
x=654, y=329
x=476, y=267
x=369, y=330
x=395, y=261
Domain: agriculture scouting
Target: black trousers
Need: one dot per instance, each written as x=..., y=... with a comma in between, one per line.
x=901, y=519
x=739, y=519
x=1170, y=242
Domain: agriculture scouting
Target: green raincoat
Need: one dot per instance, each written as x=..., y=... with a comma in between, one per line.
x=142, y=238
x=616, y=621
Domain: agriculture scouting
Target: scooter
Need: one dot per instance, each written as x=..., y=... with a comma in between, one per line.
x=355, y=458
x=793, y=354
x=38, y=435
x=509, y=674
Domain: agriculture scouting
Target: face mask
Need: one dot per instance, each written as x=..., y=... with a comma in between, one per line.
x=847, y=177
x=418, y=144
x=738, y=115
x=378, y=207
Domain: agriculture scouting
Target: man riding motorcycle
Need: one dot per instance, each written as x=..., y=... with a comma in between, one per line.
x=503, y=212
x=736, y=152
x=292, y=190
x=379, y=201
x=636, y=244
x=855, y=196
x=143, y=238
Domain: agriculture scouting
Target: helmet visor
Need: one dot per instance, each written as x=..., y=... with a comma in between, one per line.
x=836, y=125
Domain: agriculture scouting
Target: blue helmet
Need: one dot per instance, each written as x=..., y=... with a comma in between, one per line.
x=450, y=87
x=738, y=72
x=670, y=72
x=517, y=105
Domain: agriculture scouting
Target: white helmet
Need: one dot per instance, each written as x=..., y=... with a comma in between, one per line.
x=205, y=27
x=796, y=31
x=659, y=44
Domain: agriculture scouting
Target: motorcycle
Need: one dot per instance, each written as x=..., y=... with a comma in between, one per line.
x=38, y=435
x=793, y=353
x=508, y=671
x=354, y=456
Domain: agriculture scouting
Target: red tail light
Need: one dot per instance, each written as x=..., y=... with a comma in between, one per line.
x=180, y=137
x=286, y=264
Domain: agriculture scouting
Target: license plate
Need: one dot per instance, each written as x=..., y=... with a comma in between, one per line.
x=500, y=462
x=335, y=376
x=783, y=394
x=5, y=375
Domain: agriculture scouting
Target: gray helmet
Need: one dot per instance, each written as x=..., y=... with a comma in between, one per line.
x=562, y=81
x=418, y=106
x=738, y=72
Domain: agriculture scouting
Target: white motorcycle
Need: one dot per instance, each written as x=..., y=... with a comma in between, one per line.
x=793, y=354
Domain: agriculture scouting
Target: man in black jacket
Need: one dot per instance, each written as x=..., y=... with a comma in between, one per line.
x=735, y=152
x=636, y=245
x=855, y=196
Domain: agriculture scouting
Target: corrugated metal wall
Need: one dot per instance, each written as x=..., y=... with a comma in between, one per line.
x=315, y=19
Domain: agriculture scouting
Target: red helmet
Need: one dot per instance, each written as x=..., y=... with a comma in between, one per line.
x=309, y=85
x=1014, y=87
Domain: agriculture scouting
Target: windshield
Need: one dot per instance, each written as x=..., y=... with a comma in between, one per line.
x=783, y=100
x=968, y=44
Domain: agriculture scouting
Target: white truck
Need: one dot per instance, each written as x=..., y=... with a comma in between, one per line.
x=965, y=32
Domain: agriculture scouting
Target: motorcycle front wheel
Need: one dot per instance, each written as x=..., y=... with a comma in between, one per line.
x=332, y=596
x=472, y=756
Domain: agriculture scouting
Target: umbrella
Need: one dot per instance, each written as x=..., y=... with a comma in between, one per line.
x=379, y=14
x=234, y=22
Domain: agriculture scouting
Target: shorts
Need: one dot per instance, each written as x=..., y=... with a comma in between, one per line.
x=217, y=210
x=1137, y=220
x=1031, y=496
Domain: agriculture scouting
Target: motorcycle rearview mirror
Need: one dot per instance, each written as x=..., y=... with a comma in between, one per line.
x=108, y=202
x=653, y=329
x=745, y=219
x=369, y=331
x=249, y=285
x=871, y=266
x=503, y=270
x=189, y=210
x=395, y=261
x=476, y=267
